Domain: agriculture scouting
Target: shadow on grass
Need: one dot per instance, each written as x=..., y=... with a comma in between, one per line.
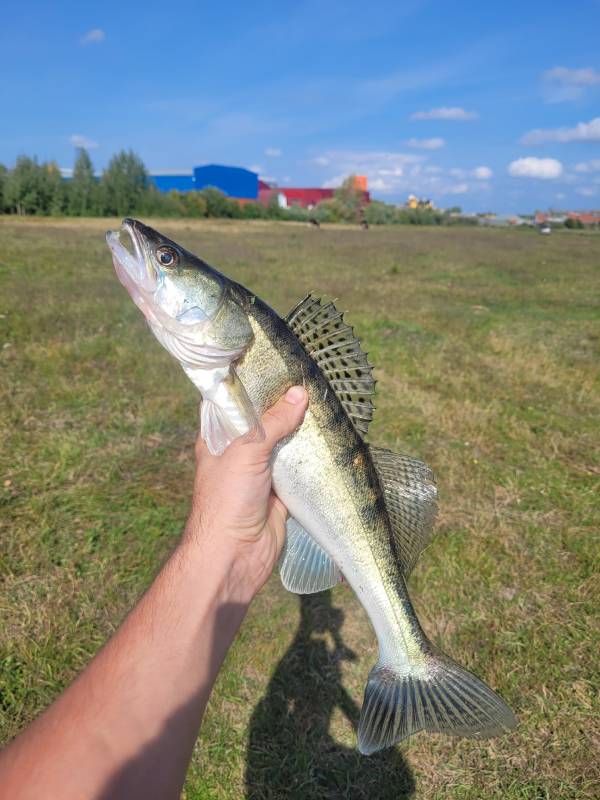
x=290, y=751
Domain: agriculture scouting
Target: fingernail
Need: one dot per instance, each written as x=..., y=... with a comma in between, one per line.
x=295, y=395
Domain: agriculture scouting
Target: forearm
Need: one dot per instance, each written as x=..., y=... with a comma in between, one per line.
x=127, y=726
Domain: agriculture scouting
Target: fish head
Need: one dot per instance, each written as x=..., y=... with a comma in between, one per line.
x=195, y=311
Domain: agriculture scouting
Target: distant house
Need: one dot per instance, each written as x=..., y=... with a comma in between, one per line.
x=560, y=217
x=413, y=202
x=585, y=217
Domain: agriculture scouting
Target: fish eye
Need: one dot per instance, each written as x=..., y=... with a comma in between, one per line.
x=167, y=257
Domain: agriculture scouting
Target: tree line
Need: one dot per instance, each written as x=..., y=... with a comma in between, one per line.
x=124, y=189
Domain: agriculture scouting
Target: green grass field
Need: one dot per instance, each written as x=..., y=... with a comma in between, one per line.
x=486, y=346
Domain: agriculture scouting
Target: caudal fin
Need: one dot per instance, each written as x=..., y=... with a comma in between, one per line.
x=441, y=696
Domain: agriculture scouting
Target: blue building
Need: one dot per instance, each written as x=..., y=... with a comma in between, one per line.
x=178, y=181
x=235, y=182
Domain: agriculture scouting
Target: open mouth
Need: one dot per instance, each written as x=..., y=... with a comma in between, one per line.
x=129, y=259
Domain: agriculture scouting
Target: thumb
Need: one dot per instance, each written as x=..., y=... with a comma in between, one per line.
x=284, y=417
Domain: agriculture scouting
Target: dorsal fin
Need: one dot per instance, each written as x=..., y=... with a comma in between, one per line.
x=331, y=343
x=410, y=499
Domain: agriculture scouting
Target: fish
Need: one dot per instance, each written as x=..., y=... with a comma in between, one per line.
x=357, y=512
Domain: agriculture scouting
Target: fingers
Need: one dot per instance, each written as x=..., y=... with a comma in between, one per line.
x=278, y=422
x=284, y=417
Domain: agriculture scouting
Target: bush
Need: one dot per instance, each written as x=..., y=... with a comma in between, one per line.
x=194, y=204
x=254, y=211
x=378, y=213
x=219, y=205
x=296, y=214
x=573, y=223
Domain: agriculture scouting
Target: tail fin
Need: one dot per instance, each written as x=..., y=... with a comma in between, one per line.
x=441, y=697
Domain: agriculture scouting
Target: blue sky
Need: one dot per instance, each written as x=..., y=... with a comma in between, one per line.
x=483, y=105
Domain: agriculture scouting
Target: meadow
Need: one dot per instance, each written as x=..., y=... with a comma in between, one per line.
x=486, y=345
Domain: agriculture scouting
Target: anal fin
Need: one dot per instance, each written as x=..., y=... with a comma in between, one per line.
x=304, y=567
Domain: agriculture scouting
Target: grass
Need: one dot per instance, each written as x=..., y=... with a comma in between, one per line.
x=486, y=344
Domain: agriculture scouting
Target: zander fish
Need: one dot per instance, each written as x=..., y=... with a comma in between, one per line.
x=355, y=510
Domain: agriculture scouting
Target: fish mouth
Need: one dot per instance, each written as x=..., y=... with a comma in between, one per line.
x=133, y=267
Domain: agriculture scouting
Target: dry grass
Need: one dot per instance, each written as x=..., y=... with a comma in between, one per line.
x=486, y=348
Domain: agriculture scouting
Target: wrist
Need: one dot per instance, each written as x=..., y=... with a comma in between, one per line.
x=213, y=558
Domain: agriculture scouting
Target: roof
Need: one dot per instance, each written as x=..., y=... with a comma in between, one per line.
x=586, y=217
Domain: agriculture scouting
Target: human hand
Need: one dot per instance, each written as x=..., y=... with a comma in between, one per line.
x=234, y=511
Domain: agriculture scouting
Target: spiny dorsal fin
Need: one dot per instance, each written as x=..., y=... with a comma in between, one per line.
x=410, y=499
x=331, y=343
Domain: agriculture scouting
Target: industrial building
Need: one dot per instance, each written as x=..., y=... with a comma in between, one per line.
x=245, y=186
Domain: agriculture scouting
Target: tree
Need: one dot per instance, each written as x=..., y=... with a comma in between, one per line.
x=123, y=183
x=574, y=223
x=194, y=204
x=3, y=179
x=33, y=188
x=82, y=188
x=54, y=190
x=349, y=200
x=219, y=205
x=23, y=186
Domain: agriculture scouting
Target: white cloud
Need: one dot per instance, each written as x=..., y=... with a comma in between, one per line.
x=457, y=188
x=562, y=84
x=95, y=36
x=588, y=166
x=255, y=168
x=273, y=152
x=427, y=144
x=78, y=140
x=586, y=191
x=532, y=167
x=573, y=77
x=446, y=113
x=398, y=173
x=482, y=173
x=582, y=132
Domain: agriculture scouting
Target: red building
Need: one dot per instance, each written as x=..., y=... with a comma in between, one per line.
x=306, y=198
x=585, y=217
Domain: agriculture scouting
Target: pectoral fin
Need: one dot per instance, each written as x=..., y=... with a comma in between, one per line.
x=304, y=566
x=226, y=411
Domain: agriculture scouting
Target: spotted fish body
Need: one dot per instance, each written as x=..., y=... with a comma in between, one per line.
x=355, y=510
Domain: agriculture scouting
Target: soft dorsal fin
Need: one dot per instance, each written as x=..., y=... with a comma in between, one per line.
x=410, y=499
x=331, y=343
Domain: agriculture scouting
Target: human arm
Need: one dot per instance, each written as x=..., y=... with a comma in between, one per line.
x=127, y=725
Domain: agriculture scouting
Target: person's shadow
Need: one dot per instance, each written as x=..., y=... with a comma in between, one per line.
x=290, y=751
